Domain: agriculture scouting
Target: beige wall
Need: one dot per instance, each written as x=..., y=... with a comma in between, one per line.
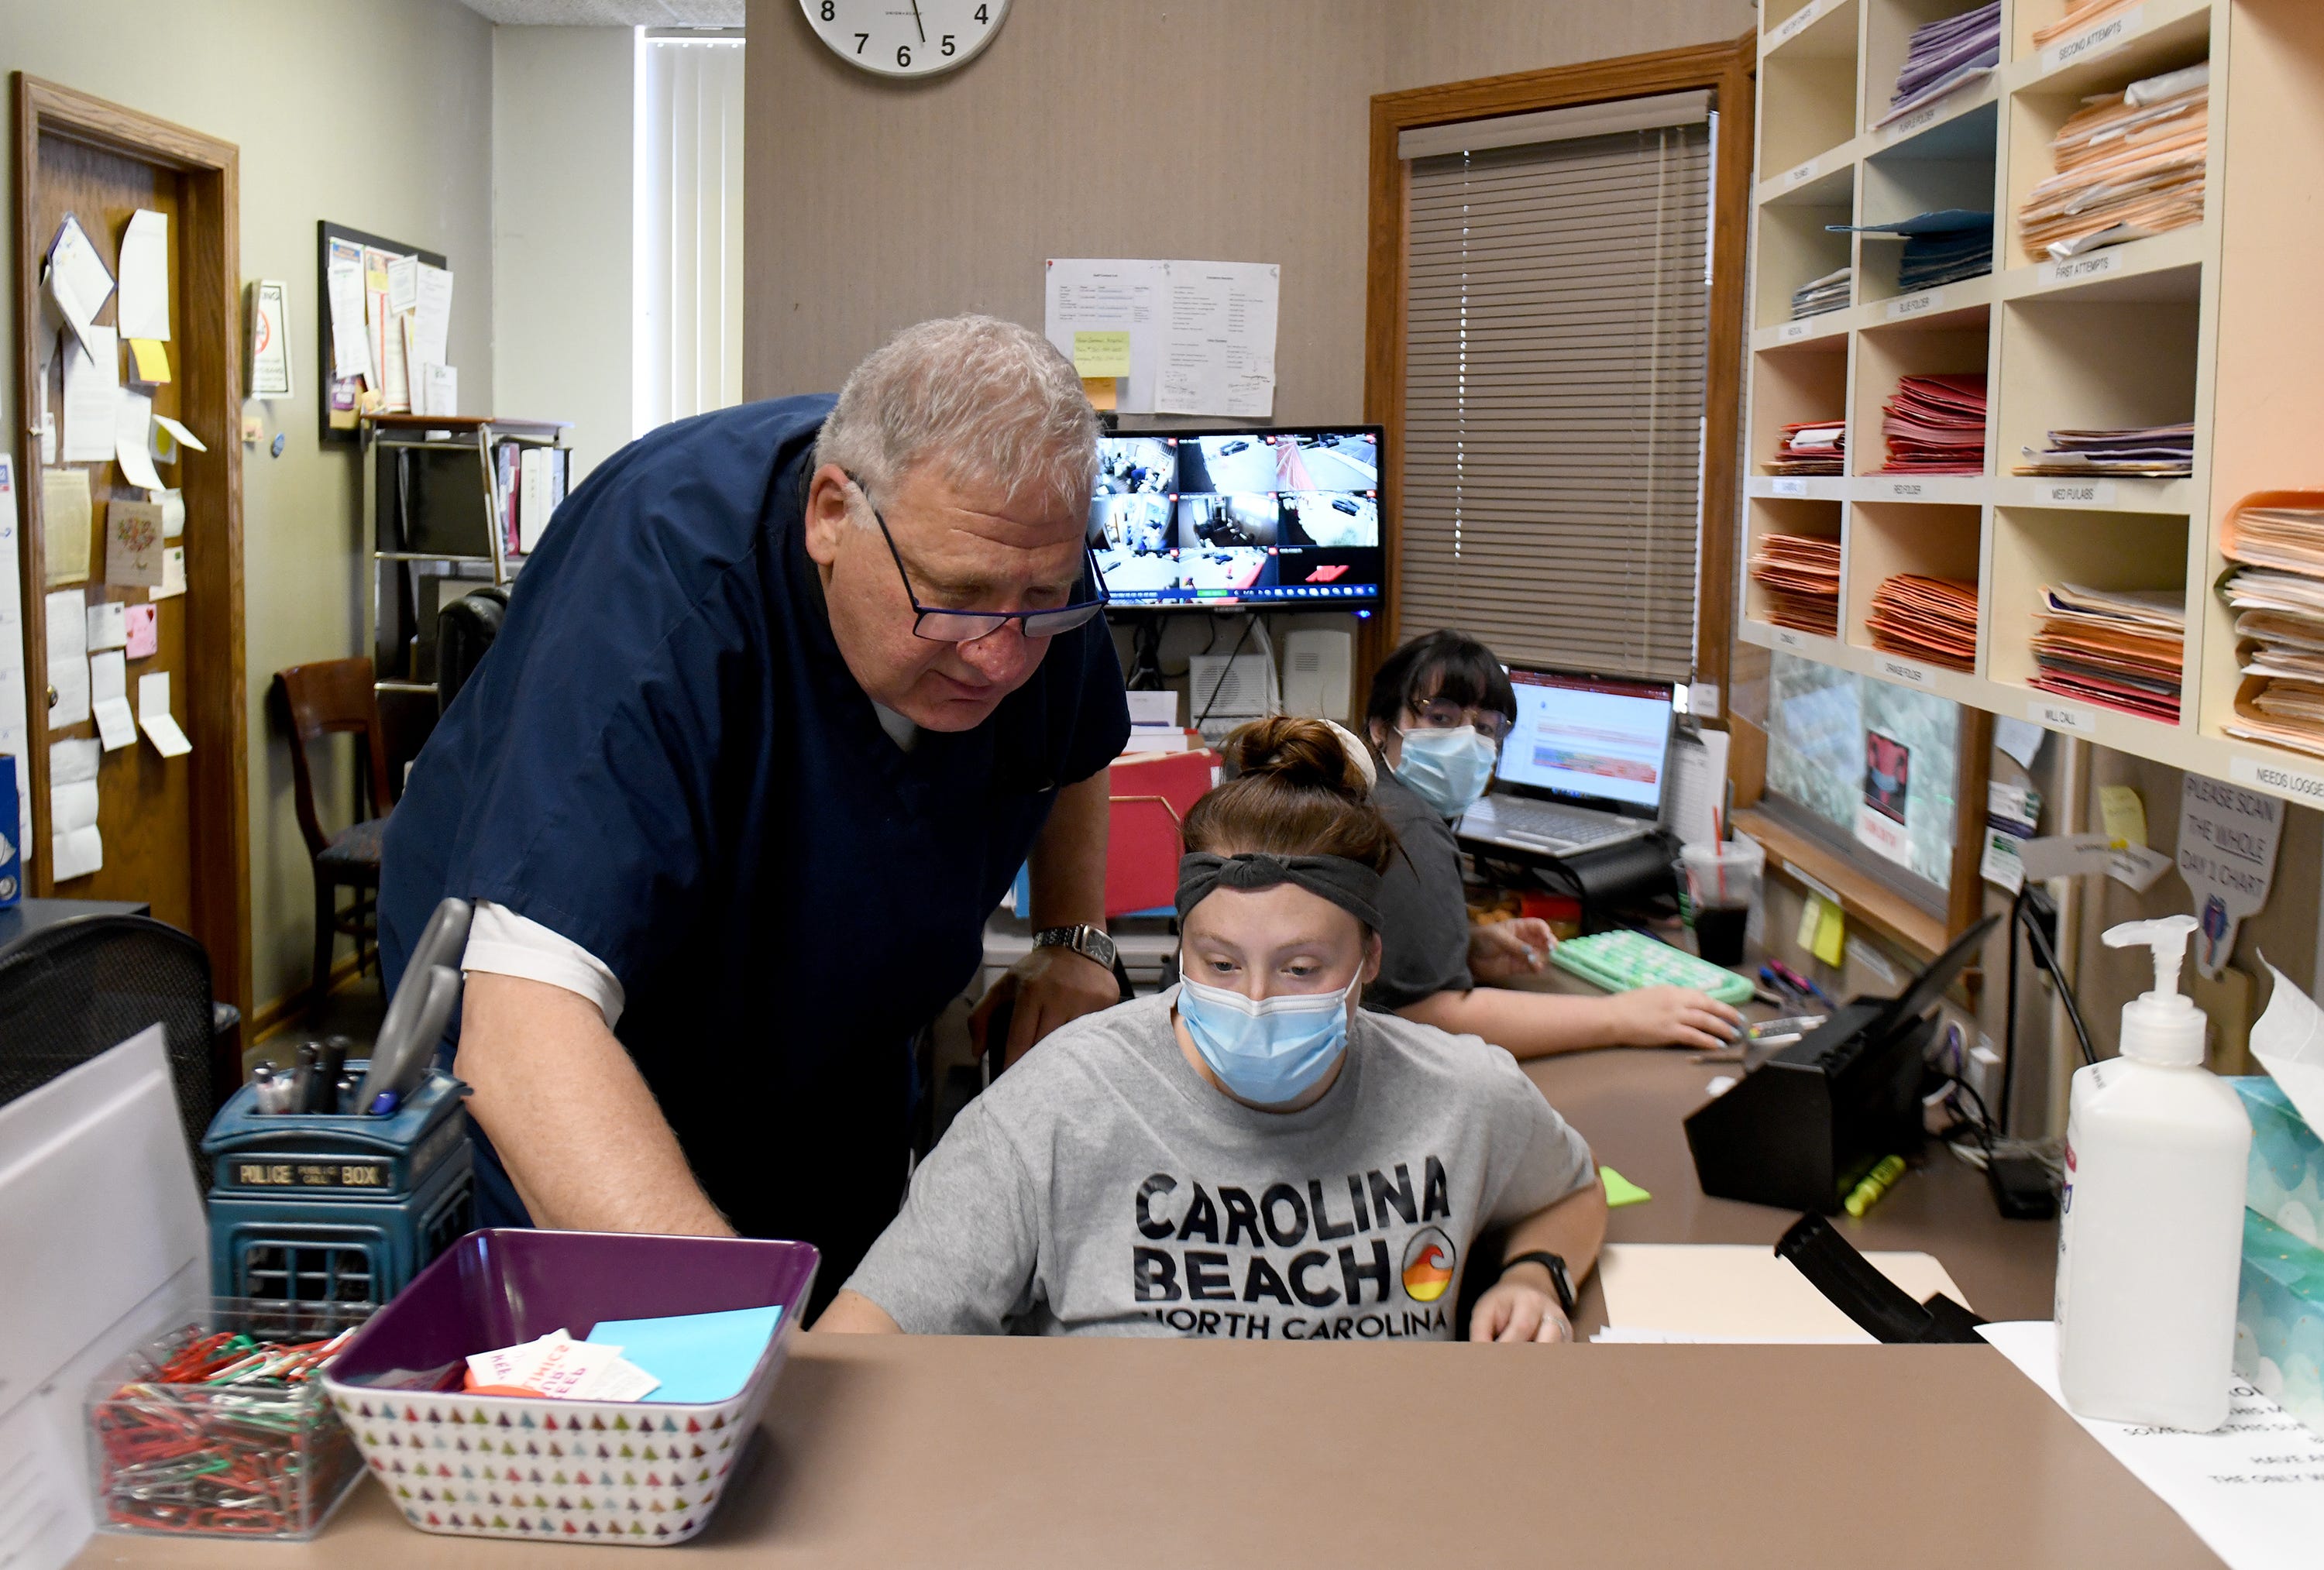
x=378, y=116
x=1213, y=129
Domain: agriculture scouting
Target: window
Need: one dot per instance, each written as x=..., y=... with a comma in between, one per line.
x=1556, y=319
x=1867, y=766
x=688, y=232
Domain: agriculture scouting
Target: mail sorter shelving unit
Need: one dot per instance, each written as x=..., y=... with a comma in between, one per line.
x=2219, y=323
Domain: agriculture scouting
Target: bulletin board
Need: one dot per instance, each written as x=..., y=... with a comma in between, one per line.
x=336, y=409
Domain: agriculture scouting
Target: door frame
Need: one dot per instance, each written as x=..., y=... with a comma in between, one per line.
x=1728, y=70
x=207, y=346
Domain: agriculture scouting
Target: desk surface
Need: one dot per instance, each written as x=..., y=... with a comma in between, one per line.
x=1023, y=1454
x=27, y=916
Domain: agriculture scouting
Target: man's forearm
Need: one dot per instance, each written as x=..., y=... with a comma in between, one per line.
x=1068, y=859
x=1530, y=1024
x=573, y=1121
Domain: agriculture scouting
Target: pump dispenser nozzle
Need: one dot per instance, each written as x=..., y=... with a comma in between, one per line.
x=2161, y=1027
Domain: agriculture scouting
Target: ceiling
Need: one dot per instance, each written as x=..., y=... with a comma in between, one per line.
x=611, y=12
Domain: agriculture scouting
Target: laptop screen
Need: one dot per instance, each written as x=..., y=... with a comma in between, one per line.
x=1603, y=741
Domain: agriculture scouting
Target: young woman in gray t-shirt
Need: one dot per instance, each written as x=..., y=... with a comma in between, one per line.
x=1250, y=1155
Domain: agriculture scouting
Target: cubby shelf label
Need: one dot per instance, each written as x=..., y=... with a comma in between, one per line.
x=1801, y=174
x=2079, y=494
x=1916, y=305
x=2107, y=35
x=1787, y=486
x=1797, y=22
x=1795, y=330
x=2076, y=267
x=2293, y=781
x=1903, y=671
x=1918, y=120
x=1900, y=490
x=1786, y=639
x=2071, y=717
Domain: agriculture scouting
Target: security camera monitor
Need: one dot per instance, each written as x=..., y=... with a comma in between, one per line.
x=1256, y=518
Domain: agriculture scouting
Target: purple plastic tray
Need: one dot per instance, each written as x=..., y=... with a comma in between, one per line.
x=638, y=1472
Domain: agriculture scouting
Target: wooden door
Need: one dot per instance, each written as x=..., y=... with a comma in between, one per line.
x=174, y=830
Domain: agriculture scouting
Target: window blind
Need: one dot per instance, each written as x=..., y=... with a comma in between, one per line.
x=689, y=228
x=1556, y=314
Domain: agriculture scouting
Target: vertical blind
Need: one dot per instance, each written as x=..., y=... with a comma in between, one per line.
x=689, y=228
x=1555, y=326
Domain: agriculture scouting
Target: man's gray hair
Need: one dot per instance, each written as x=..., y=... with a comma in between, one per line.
x=992, y=404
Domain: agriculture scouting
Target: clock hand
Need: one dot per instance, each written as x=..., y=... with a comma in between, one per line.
x=916, y=20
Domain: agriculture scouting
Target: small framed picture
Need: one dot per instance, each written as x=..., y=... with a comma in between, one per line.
x=266, y=365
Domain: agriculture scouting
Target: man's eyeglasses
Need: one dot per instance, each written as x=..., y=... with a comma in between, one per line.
x=944, y=626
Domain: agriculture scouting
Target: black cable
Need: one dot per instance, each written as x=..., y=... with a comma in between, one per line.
x=1219, y=685
x=2009, y=1029
x=2065, y=993
x=1984, y=1118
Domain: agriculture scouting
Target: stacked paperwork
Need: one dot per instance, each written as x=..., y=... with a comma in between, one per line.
x=2079, y=13
x=1941, y=247
x=2159, y=452
x=1831, y=292
x=2130, y=164
x=1800, y=575
x=1943, y=57
x=1935, y=425
x=2277, y=590
x=1814, y=448
x=2123, y=647
x=1929, y=618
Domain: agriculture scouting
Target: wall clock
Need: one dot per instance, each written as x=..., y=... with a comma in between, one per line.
x=906, y=38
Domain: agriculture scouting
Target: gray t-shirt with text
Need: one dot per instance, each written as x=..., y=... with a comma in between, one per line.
x=1101, y=1186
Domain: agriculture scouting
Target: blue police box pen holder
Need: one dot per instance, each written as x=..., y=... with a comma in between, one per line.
x=330, y=1208
x=12, y=820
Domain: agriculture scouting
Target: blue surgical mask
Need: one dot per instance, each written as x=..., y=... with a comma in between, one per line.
x=1448, y=769
x=1273, y=1051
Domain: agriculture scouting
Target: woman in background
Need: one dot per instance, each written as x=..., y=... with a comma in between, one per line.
x=1441, y=707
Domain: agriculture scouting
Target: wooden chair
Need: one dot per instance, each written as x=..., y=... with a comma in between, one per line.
x=317, y=700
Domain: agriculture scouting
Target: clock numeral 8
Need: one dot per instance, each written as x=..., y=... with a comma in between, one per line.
x=903, y=54
x=828, y=12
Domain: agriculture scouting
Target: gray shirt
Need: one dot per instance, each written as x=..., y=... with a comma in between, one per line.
x=1423, y=912
x=1101, y=1186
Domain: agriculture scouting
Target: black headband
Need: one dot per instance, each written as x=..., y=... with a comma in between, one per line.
x=1350, y=885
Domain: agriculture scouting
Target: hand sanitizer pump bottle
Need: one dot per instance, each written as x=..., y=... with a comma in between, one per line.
x=2151, y=1238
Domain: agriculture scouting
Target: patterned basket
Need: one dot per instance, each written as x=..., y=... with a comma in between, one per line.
x=640, y=1473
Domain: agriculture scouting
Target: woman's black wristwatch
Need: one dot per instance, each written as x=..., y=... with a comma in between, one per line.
x=1558, y=1277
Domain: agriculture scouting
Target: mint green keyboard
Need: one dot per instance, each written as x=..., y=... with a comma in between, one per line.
x=1621, y=961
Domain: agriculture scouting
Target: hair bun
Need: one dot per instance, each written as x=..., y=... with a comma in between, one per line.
x=1296, y=751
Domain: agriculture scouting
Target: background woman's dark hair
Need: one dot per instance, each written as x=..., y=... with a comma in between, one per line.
x=1295, y=792
x=1444, y=665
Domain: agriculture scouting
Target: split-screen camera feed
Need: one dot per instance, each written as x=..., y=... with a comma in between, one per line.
x=1239, y=518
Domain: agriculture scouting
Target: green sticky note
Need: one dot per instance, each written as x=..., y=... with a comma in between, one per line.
x=1097, y=355
x=1619, y=1190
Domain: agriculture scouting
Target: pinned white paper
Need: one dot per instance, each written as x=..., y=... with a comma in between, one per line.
x=76, y=854
x=173, y=513
x=174, y=573
x=133, y=439
x=154, y=716
x=68, y=625
x=2020, y=738
x=180, y=434
x=2065, y=855
x=2288, y=1040
x=145, y=310
x=2226, y=857
x=73, y=761
x=108, y=690
x=77, y=280
x=75, y=848
x=107, y=626
x=92, y=384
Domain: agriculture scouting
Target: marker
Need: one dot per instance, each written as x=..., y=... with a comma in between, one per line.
x=302, y=1078
x=1877, y=1182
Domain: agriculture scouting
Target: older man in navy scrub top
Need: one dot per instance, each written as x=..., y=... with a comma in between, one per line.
x=784, y=698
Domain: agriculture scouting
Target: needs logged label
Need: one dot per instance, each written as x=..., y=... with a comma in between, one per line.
x=2109, y=34
x=2293, y=781
x=2057, y=716
x=2075, y=268
x=1916, y=305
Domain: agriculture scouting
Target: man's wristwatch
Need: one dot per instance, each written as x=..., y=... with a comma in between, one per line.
x=1089, y=943
x=1558, y=1277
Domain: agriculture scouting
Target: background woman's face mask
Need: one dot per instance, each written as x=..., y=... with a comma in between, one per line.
x=1448, y=769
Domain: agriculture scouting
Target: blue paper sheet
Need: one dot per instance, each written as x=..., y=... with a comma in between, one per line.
x=699, y=1358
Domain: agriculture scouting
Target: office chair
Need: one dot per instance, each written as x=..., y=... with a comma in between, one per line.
x=79, y=987
x=465, y=630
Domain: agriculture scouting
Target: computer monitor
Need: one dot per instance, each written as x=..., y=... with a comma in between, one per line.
x=1596, y=741
x=1239, y=519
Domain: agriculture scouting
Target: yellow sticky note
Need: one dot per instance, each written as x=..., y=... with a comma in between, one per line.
x=150, y=358
x=1619, y=1190
x=2124, y=814
x=1831, y=934
x=1101, y=355
x=1102, y=391
x=1806, y=936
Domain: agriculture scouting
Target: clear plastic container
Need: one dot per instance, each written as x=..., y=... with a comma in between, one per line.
x=222, y=1460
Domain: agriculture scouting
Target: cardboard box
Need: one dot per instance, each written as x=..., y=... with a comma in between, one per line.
x=2286, y=1179
x=2280, y=1319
